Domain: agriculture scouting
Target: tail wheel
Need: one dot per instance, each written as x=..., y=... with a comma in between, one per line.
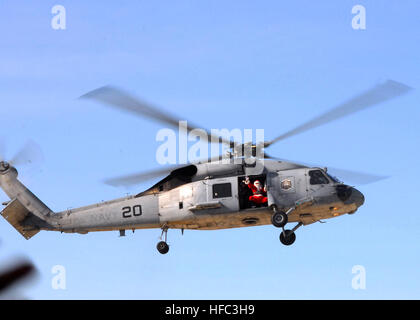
x=287, y=237
x=162, y=247
x=279, y=219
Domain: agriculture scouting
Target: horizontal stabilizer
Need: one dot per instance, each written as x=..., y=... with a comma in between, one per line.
x=16, y=214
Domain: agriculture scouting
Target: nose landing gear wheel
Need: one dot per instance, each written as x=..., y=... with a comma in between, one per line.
x=279, y=219
x=162, y=247
x=287, y=237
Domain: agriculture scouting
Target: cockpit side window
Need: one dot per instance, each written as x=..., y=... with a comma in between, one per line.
x=317, y=177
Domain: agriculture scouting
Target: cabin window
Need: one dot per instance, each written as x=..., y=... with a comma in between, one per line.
x=317, y=177
x=222, y=190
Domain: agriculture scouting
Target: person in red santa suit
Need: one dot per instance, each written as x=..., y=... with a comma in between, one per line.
x=259, y=192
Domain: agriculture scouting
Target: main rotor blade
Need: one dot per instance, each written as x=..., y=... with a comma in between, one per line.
x=121, y=100
x=380, y=93
x=347, y=176
x=15, y=274
x=31, y=152
x=355, y=177
x=131, y=179
x=136, y=178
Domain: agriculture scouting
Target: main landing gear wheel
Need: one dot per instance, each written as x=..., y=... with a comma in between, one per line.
x=287, y=237
x=162, y=247
x=279, y=219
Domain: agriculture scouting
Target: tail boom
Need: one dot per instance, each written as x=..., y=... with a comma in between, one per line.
x=25, y=212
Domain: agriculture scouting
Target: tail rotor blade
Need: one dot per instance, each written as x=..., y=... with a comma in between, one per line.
x=29, y=153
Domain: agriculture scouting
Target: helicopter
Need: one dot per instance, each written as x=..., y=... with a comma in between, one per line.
x=246, y=187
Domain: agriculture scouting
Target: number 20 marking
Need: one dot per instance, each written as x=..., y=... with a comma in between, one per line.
x=136, y=210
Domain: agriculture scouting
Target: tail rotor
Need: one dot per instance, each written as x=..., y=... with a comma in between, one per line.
x=29, y=153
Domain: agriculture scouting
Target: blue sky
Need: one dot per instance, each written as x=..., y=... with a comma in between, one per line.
x=241, y=64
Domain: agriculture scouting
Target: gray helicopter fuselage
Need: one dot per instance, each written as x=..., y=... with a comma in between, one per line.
x=212, y=199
